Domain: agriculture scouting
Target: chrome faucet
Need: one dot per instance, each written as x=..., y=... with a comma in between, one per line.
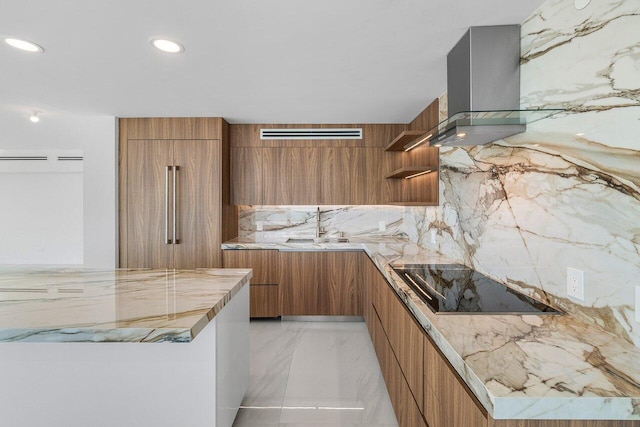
x=319, y=230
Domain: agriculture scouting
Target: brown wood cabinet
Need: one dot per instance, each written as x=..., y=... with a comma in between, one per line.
x=402, y=400
x=174, y=192
x=320, y=283
x=456, y=405
x=265, y=300
x=324, y=172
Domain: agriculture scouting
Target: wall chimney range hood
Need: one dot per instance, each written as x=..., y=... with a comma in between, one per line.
x=483, y=90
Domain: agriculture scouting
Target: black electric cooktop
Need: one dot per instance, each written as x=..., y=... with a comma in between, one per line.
x=454, y=288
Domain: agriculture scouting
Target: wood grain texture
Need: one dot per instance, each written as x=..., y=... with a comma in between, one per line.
x=229, y=216
x=122, y=192
x=428, y=118
x=458, y=406
x=265, y=296
x=212, y=222
x=264, y=301
x=300, y=284
x=174, y=128
x=247, y=175
x=313, y=171
x=199, y=201
x=319, y=283
x=145, y=215
x=406, y=341
x=291, y=176
x=404, y=405
x=404, y=138
x=265, y=264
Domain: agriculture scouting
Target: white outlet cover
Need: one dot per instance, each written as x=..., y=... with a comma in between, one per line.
x=637, y=303
x=433, y=236
x=382, y=226
x=575, y=283
x=259, y=225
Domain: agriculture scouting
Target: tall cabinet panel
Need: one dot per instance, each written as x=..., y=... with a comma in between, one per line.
x=198, y=200
x=174, y=196
x=148, y=203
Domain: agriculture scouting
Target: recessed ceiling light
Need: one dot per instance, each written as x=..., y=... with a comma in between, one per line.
x=437, y=145
x=580, y=134
x=167, y=45
x=461, y=135
x=24, y=45
x=34, y=117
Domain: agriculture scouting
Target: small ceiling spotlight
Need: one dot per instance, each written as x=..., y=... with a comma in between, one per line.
x=25, y=45
x=461, y=135
x=34, y=117
x=167, y=46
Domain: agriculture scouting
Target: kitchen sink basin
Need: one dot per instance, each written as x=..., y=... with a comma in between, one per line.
x=319, y=240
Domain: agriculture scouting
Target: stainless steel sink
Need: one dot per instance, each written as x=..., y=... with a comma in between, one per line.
x=319, y=240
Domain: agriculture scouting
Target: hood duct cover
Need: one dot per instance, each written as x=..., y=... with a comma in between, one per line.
x=483, y=89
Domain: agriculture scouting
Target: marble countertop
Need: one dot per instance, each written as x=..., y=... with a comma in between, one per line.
x=519, y=366
x=124, y=305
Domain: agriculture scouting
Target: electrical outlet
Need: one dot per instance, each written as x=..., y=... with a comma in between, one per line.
x=637, y=303
x=575, y=283
x=433, y=236
x=259, y=225
x=382, y=226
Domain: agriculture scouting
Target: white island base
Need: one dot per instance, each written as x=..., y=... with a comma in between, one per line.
x=199, y=383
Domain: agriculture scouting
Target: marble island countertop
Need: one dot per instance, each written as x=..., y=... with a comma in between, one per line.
x=519, y=366
x=124, y=305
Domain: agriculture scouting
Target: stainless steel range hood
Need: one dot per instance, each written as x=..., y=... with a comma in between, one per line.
x=483, y=89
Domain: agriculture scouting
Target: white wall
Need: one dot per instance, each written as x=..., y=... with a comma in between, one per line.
x=100, y=192
x=41, y=218
x=59, y=218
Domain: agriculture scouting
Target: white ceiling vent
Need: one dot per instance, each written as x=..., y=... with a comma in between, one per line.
x=348, y=133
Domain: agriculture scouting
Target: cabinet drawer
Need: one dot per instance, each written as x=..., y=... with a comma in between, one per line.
x=266, y=269
x=265, y=300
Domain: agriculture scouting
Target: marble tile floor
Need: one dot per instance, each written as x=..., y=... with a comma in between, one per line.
x=314, y=374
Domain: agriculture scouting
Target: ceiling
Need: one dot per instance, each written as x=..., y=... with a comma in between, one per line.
x=278, y=61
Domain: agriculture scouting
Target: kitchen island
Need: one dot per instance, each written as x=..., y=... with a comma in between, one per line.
x=129, y=347
x=540, y=368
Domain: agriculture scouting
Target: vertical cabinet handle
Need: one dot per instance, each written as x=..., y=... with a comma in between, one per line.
x=167, y=169
x=175, y=205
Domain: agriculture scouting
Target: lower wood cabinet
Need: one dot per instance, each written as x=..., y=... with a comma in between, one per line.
x=320, y=283
x=405, y=407
x=448, y=402
x=265, y=299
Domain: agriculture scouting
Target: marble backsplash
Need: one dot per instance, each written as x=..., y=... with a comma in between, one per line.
x=564, y=194
x=567, y=192
x=281, y=222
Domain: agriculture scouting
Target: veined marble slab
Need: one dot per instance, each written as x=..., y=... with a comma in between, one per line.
x=519, y=366
x=125, y=305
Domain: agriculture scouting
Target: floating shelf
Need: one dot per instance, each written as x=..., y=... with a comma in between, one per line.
x=403, y=139
x=409, y=172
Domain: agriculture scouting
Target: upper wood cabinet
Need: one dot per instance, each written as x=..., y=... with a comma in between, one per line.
x=174, y=192
x=324, y=172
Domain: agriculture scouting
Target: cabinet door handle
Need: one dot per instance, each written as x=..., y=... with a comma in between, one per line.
x=175, y=205
x=167, y=241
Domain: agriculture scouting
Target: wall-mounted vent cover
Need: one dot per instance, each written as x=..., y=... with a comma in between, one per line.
x=65, y=158
x=22, y=158
x=349, y=133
